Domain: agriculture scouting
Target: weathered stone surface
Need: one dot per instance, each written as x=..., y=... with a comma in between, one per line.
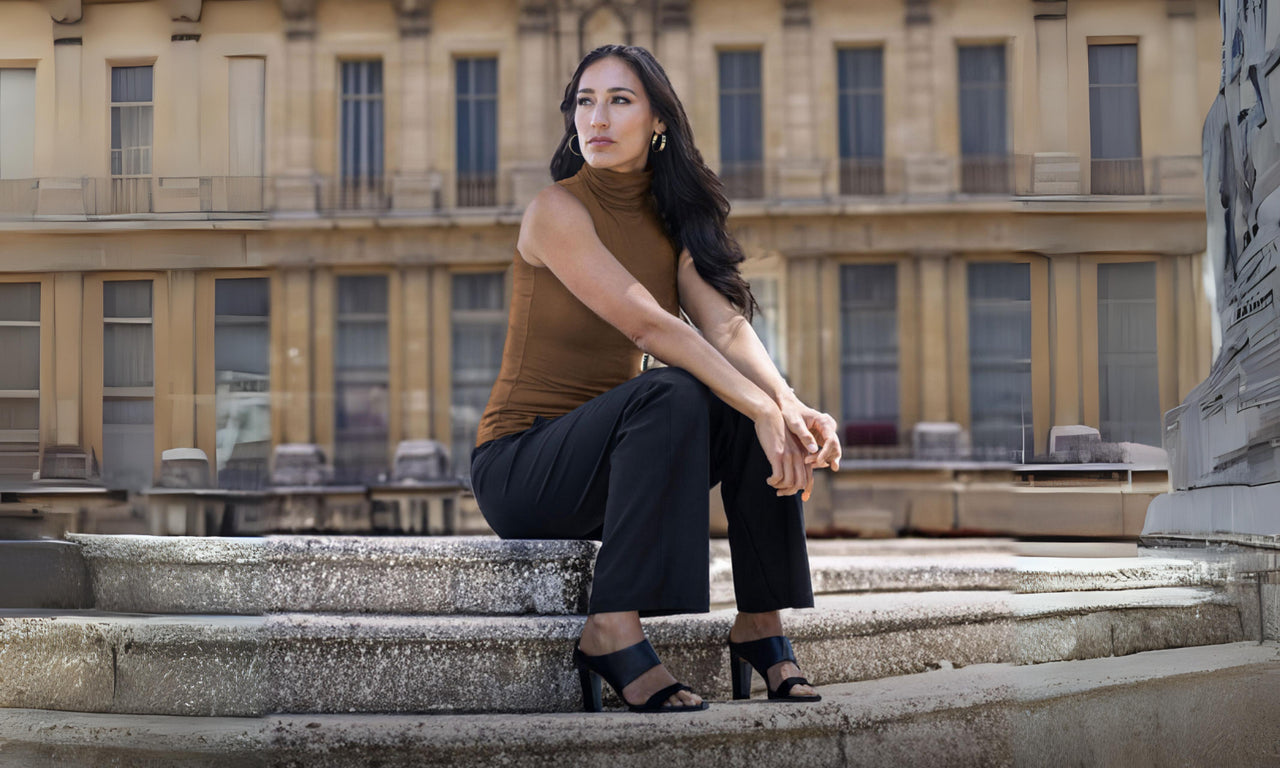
x=216, y=665
x=1146, y=709
x=413, y=575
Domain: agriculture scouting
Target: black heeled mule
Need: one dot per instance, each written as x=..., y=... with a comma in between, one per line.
x=762, y=654
x=619, y=669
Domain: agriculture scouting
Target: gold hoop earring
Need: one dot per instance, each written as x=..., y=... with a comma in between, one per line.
x=655, y=144
x=571, y=138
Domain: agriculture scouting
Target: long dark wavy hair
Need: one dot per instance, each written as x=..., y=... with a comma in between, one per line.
x=689, y=196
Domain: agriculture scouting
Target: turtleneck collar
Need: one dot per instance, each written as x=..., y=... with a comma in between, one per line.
x=620, y=190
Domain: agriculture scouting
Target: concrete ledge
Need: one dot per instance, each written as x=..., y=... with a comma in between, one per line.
x=243, y=665
x=390, y=574
x=1147, y=709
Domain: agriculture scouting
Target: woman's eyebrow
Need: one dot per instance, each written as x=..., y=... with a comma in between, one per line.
x=610, y=90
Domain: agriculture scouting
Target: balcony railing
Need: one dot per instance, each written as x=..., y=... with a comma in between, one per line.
x=477, y=190
x=986, y=174
x=889, y=178
x=1121, y=176
x=743, y=181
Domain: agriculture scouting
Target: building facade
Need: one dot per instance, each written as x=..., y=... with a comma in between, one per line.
x=232, y=224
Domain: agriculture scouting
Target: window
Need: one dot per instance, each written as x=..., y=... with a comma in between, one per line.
x=1128, y=384
x=17, y=123
x=1115, y=136
x=245, y=110
x=361, y=380
x=241, y=343
x=128, y=385
x=477, y=131
x=19, y=381
x=1000, y=361
x=479, y=321
x=767, y=321
x=361, y=142
x=860, y=75
x=984, y=146
x=869, y=353
x=741, y=125
x=131, y=126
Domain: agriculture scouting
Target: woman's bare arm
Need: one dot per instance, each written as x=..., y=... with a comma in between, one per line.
x=557, y=232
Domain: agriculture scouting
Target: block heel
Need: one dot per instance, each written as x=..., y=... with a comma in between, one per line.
x=740, y=670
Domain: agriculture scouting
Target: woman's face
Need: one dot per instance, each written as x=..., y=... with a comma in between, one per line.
x=613, y=117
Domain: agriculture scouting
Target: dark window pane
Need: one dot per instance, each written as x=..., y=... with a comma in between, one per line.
x=19, y=301
x=1000, y=361
x=479, y=321
x=869, y=353
x=1128, y=376
x=126, y=298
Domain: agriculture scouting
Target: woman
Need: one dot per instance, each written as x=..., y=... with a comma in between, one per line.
x=574, y=444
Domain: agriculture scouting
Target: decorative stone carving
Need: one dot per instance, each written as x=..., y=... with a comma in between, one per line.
x=673, y=14
x=1224, y=440
x=414, y=17
x=796, y=13
x=65, y=11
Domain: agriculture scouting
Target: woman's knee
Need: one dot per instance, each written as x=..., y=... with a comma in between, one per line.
x=682, y=389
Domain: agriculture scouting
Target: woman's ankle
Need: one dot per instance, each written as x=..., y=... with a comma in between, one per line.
x=608, y=632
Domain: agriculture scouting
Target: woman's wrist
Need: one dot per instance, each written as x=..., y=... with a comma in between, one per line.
x=785, y=395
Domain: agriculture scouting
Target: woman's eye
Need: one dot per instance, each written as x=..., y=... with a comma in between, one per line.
x=582, y=100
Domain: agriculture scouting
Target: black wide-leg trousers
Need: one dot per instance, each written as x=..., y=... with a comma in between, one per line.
x=631, y=468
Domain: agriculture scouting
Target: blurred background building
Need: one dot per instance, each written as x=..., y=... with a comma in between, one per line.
x=235, y=224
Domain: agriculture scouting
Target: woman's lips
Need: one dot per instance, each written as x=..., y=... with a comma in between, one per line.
x=600, y=142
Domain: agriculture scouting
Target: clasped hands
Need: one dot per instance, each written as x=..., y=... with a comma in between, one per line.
x=812, y=442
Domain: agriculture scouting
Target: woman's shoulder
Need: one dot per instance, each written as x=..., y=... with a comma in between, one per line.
x=554, y=215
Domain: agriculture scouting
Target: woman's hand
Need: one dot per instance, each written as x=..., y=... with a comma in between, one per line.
x=779, y=433
x=815, y=427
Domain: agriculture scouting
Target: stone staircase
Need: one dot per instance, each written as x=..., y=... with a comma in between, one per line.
x=283, y=626
x=290, y=624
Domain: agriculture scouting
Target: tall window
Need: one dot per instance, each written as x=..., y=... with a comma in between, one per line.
x=246, y=108
x=984, y=144
x=241, y=343
x=741, y=125
x=128, y=385
x=477, y=131
x=1115, y=135
x=479, y=320
x=1000, y=361
x=860, y=75
x=768, y=321
x=131, y=137
x=361, y=380
x=869, y=353
x=19, y=381
x=361, y=142
x=1128, y=384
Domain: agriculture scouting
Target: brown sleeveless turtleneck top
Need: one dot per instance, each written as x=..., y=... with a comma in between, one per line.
x=558, y=353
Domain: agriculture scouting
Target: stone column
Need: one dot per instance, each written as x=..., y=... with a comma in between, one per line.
x=800, y=171
x=935, y=338
x=928, y=172
x=539, y=93
x=1056, y=170
x=63, y=194
x=673, y=45
x=1180, y=173
x=178, y=151
x=295, y=185
x=411, y=185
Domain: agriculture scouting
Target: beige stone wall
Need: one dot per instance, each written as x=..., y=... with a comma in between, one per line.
x=800, y=233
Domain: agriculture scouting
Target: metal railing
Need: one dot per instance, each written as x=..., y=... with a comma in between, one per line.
x=477, y=190
x=986, y=174
x=743, y=181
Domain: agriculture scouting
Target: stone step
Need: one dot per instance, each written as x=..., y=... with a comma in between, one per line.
x=487, y=576
x=986, y=714
x=339, y=662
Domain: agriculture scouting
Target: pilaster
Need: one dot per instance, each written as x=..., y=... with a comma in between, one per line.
x=295, y=187
x=412, y=184
x=674, y=46
x=178, y=156
x=928, y=172
x=1056, y=171
x=799, y=169
x=65, y=193
x=538, y=88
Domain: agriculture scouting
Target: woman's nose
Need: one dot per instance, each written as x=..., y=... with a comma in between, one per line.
x=598, y=117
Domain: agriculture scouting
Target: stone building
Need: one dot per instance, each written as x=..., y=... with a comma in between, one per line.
x=238, y=223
